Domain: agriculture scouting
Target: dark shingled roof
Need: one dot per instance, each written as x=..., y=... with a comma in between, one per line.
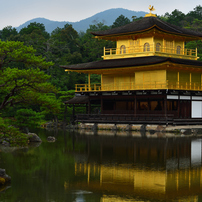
x=147, y=23
x=77, y=100
x=130, y=62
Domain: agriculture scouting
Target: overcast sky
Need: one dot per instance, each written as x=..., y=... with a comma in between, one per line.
x=16, y=12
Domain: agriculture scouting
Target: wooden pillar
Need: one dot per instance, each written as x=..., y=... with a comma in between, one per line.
x=86, y=108
x=165, y=107
x=73, y=112
x=190, y=81
x=65, y=114
x=73, y=115
x=89, y=107
x=101, y=82
x=135, y=106
x=178, y=106
x=101, y=104
x=89, y=88
x=163, y=50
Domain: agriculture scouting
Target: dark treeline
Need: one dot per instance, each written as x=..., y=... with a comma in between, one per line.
x=66, y=46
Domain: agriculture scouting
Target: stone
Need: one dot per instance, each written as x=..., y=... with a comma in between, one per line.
x=160, y=128
x=185, y=131
x=4, y=178
x=33, y=137
x=5, y=143
x=51, y=139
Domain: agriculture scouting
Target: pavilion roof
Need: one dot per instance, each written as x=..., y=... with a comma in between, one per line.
x=130, y=62
x=146, y=24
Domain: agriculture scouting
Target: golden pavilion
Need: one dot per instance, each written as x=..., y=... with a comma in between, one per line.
x=150, y=77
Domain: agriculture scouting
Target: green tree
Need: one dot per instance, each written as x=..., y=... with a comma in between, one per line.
x=33, y=27
x=34, y=35
x=120, y=21
x=175, y=18
x=28, y=85
x=26, y=118
x=64, y=48
x=16, y=138
x=8, y=32
x=196, y=13
x=194, y=45
x=16, y=54
x=91, y=48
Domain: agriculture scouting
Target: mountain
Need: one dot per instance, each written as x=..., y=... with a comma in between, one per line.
x=107, y=17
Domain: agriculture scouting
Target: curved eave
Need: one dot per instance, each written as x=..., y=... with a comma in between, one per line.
x=116, y=64
x=110, y=36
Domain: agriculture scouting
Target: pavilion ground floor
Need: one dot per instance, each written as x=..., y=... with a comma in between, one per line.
x=157, y=107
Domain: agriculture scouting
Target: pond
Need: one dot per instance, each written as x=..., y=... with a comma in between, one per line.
x=85, y=167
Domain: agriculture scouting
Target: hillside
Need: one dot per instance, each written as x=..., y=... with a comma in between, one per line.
x=107, y=17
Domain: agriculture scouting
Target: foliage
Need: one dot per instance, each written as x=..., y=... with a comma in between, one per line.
x=91, y=48
x=7, y=32
x=12, y=134
x=27, y=86
x=23, y=83
x=17, y=54
x=27, y=118
x=33, y=27
x=120, y=21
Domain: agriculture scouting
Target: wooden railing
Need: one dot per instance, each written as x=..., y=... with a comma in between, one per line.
x=124, y=86
x=139, y=50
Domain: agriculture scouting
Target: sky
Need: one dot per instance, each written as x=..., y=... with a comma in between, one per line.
x=16, y=12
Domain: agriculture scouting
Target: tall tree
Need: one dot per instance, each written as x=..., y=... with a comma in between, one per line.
x=28, y=85
x=64, y=48
x=175, y=18
x=120, y=21
x=8, y=32
x=33, y=27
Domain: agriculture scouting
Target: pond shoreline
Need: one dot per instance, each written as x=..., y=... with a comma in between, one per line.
x=180, y=129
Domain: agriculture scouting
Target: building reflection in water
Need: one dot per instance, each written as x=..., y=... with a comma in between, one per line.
x=140, y=169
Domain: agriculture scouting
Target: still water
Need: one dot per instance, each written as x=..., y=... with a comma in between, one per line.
x=85, y=167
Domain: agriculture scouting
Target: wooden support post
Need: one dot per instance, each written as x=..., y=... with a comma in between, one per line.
x=89, y=107
x=178, y=106
x=101, y=104
x=73, y=115
x=89, y=88
x=86, y=108
x=190, y=81
x=135, y=106
x=165, y=107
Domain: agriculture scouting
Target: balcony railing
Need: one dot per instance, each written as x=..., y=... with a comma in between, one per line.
x=136, y=51
x=124, y=86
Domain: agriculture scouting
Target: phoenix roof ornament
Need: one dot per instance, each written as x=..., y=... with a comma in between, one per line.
x=151, y=8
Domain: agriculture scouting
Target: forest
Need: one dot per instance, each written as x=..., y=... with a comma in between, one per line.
x=34, y=86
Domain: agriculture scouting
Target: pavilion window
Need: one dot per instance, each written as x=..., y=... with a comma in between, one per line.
x=158, y=47
x=146, y=47
x=178, y=49
x=122, y=49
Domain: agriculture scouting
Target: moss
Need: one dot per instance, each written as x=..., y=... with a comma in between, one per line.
x=2, y=180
